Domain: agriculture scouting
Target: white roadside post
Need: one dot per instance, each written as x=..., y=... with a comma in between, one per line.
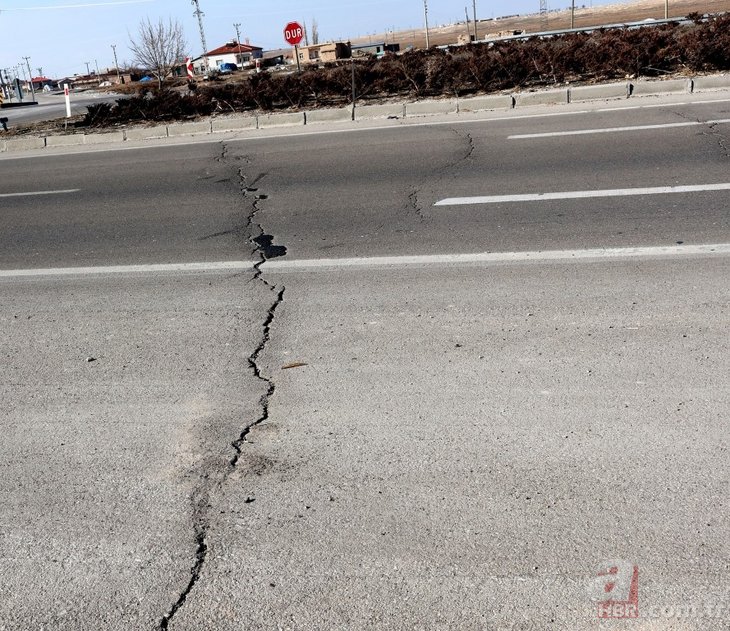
x=68, y=100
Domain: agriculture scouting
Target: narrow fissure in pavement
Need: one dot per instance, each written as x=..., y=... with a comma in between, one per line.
x=413, y=205
x=264, y=248
x=722, y=141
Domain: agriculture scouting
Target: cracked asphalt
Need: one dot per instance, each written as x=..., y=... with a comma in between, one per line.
x=408, y=446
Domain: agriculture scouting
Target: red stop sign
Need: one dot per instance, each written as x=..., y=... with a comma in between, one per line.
x=293, y=33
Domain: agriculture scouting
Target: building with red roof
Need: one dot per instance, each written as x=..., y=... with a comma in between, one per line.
x=232, y=52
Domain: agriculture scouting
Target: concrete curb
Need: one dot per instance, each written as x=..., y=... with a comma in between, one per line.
x=673, y=86
x=486, y=103
x=337, y=115
x=190, y=129
x=431, y=108
x=548, y=97
x=602, y=92
x=412, y=109
x=284, y=119
x=234, y=123
x=386, y=110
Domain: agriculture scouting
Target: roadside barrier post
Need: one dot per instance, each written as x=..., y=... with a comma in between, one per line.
x=68, y=100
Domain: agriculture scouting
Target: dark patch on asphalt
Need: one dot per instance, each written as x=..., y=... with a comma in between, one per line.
x=265, y=243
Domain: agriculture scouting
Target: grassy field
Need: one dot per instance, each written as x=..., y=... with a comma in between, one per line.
x=596, y=16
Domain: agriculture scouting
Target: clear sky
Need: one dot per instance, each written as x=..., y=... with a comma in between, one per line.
x=61, y=35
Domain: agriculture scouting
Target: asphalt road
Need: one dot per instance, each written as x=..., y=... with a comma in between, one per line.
x=51, y=106
x=365, y=432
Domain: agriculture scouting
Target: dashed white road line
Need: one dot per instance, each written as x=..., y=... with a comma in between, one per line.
x=619, y=192
x=486, y=258
x=615, y=130
x=32, y=193
x=223, y=266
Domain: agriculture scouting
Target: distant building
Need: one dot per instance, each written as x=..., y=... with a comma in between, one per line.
x=232, y=52
x=378, y=49
x=41, y=82
x=323, y=53
x=278, y=57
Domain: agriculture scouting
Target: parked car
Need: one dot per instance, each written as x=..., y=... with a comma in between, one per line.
x=226, y=68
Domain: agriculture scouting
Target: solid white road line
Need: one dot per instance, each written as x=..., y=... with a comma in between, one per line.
x=612, y=130
x=660, y=105
x=619, y=192
x=31, y=193
x=721, y=249
x=130, y=269
x=497, y=257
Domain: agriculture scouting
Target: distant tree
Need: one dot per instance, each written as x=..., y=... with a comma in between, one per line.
x=159, y=47
x=315, y=32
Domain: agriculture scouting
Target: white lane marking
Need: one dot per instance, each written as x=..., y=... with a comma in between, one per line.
x=660, y=105
x=31, y=193
x=497, y=257
x=619, y=192
x=129, y=269
x=612, y=130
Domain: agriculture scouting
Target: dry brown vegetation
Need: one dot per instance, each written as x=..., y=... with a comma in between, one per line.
x=602, y=55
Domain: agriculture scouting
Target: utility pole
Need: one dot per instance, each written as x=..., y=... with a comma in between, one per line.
x=476, y=35
x=666, y=9
x=6, y=84
x=425, y=19
x=88, y=72
x=30, y=77
x=237, y=26
x=468, y=25
x=543, y=15
x=116, y=64
x=572, y=14
x=199, y=14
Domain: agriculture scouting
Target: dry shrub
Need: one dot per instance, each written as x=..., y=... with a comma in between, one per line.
x=602, y=55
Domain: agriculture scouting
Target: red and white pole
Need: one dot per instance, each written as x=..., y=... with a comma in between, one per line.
x=68, y=100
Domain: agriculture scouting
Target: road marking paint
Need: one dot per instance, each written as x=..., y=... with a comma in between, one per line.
x=223, y=266
x=722, y=249
x=619, y=192
x=32, y=193
x=660, y=105
x=612, y=130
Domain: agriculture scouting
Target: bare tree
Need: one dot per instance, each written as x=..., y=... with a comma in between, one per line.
x=159, y=47
x=315, y=32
